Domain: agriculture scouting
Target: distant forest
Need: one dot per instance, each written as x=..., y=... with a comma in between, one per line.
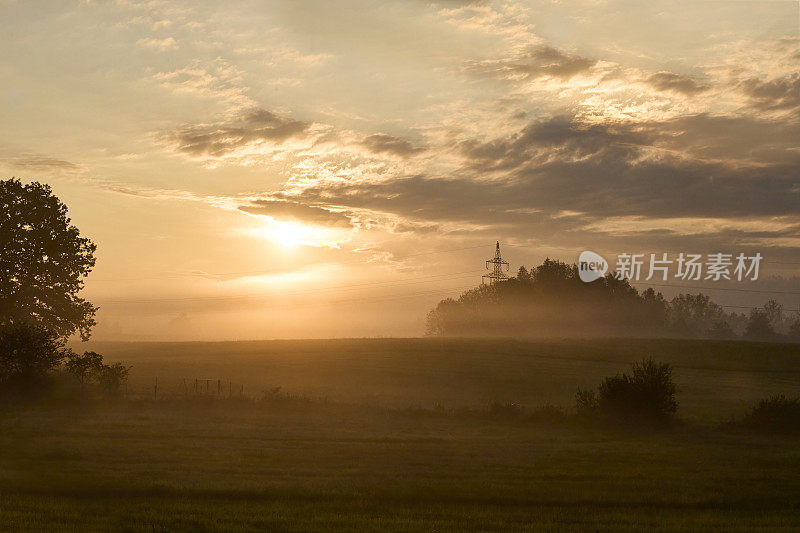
x=551, y=300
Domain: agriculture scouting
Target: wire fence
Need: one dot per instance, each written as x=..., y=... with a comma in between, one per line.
x=186, y=388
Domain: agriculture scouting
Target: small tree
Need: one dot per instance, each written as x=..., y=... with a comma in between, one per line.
x=84, y=366
x=721, y=329
x=586, y=403
x=759, y=327
x=90, y=369
x=694, y=315
x=111, y=379
x=774, y=312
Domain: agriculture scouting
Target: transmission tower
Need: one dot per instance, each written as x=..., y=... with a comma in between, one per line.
x=497, y=263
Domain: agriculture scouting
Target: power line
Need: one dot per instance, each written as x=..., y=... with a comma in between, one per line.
x=380, y=298
x=261, y=272
x=755, y=307
x=716, y=288
x=663, y=251
x=410, y=281
x=393, y=283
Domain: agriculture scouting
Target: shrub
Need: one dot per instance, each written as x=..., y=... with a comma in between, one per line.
x=105, y=380
x=776, y=413
x=759, y=327
x=647, y=395
x=111, y=378
x=28, y=355
x=586, y=403
x=84, y=366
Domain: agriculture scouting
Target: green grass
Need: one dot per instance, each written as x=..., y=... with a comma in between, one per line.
x=716, y=379
x=363, y=460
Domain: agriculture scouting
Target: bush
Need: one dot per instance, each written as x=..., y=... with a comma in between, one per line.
x=28, y=355
x=776, y=413
x=648, y=395
x=107, y=380
x=759, y=327
x=586, y=403
x=84, y=366
x=111, y=379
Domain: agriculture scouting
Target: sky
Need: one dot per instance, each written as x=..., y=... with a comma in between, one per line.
x=333, y=169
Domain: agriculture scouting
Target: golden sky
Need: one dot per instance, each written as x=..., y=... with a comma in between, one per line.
x=302, y=168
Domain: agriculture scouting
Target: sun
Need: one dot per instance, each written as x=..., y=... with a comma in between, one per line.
x=290, y=234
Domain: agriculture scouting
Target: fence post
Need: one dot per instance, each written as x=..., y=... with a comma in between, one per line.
x=155, y=390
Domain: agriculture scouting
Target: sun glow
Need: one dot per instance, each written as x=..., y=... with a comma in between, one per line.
x=289, y=234
x=294, y=234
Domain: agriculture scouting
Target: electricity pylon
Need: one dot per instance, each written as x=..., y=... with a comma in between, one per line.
x=497, y=271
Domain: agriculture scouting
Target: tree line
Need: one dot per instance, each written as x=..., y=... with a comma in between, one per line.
x=551, y=300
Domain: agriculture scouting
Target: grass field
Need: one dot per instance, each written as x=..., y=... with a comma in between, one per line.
x=717, y=379
x=378, y=454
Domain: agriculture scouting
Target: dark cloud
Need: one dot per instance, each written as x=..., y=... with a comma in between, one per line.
x=557, y=165
x=776, y=94
x=730, y=138
x=256, y=126
x=222, y=138
x=560, y=137
x=381, y=143
x=283, y=209
x=539, y=62
x=39, y=163
x=677, y=83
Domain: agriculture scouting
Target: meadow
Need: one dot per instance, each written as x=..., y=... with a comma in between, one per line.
x=399, y=434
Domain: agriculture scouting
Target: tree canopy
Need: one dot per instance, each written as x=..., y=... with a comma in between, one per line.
x=551, y=300
x=43, y=261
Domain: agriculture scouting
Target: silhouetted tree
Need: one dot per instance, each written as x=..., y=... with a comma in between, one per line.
x=111, y=378
x=43, y=260
x=759, y=327
x=90, y=370
x=694, y=315
x=551, y=299
x=83, y=366
x=722, y=330
x=774, y=312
